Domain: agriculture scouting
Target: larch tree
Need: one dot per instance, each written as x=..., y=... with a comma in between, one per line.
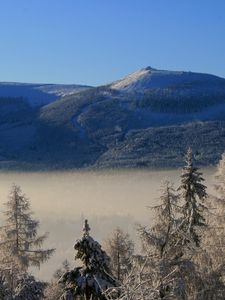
x=120, y=248
x=159, y=238
x=217, y=219
x=220, y=178
x=219, y=189
x=159, y=242
x=214, y=237
x=21, y=246
x=54, y=290
x=193, y=196
x=93, y=278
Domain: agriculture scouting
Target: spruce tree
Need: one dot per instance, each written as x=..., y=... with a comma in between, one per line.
x=20, y=247
x=4, y=288
x=193, y=195
x=169, y=272
x=28, y=288
x=92, y=279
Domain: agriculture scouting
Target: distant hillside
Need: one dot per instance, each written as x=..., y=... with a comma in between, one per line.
x=147, y=119
x=38, y=94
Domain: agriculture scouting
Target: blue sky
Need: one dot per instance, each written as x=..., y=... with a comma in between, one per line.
x=97, y=41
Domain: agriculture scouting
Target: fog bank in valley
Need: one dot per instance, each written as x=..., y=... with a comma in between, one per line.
x=61, y=201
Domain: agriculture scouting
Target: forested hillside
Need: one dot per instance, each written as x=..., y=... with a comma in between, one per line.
x=148, y=119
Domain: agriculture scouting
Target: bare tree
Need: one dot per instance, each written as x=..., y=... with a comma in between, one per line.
x=54, y=290
x=212, y=260
x=159, y=242
x=20, y=246
x=120, y=248
x=159, y=238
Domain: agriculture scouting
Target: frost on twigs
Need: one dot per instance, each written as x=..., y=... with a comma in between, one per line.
x=21, y=246
x=121, y=250
x=193, y=194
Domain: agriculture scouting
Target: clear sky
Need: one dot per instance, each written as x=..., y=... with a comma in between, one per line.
x=97, y=41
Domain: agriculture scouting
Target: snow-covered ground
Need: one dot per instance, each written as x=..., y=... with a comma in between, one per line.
x=62, y=90
x=148, y=78
x=38, y=94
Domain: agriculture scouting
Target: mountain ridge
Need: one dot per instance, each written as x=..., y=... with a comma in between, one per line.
x=154, y=78
x=146, y=120
x=38, y=94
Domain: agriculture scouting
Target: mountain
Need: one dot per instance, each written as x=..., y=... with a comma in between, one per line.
x=150, y=78
x=147, y=119
x=38, y=94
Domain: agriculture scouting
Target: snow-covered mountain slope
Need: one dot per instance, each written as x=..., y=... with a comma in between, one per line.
x=38, y=94
x=148, y=119
x=149, y=78
x=62, y=90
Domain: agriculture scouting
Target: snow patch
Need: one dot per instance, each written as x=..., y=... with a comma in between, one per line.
x=151, y=78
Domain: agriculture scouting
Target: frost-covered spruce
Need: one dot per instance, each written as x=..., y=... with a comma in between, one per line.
x=93, y=278
x=193, y=194
x=28, y=288
x=4, y=288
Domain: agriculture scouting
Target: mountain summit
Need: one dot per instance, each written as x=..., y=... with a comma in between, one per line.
x=149, y=78
x=147, y=119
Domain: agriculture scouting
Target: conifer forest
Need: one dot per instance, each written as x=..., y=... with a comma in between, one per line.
x=181, y=253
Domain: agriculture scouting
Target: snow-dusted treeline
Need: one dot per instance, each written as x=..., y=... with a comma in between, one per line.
x=182, y=254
